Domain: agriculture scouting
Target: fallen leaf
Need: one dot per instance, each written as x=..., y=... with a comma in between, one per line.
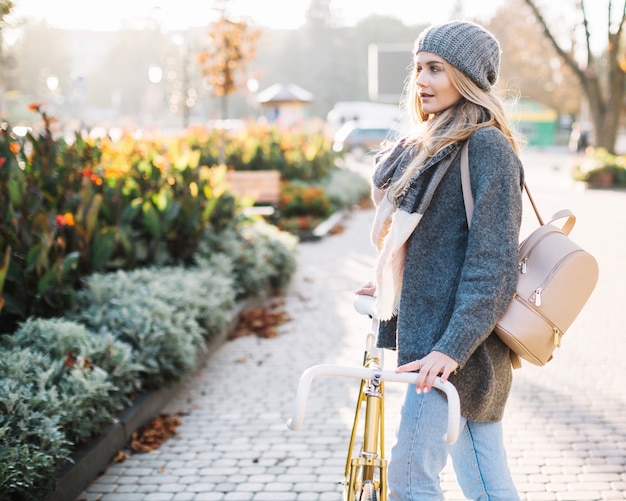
x=150, y=436
x=120, y=457
x=261, y=322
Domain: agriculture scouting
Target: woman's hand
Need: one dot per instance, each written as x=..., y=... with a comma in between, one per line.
x=367, y=289
x=429, y=367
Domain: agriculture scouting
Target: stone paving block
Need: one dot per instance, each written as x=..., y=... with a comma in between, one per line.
x=159, y=496
x=212, y=496
x=604, y=477
x=91, y=495
x=173, y=487
x=126, y=488
x=147, y=488
x=330, y=496
x=238, y=496
x=606, y=495
x=202, y=486
x=541, y=496
x=579, y=496
x=278, y=487
x=307, y=496
x=297, y=478
x=123, y=497
x=313, y=487
x=157, y=479
x=184, y=496
x=189, y=480
x=103, y=488
x=274, y=496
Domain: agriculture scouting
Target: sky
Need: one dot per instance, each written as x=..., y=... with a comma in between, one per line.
x=279, y=14
x=288, y=14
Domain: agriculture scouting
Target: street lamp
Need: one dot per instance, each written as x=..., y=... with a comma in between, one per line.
x=153, y=96
x=155, y=74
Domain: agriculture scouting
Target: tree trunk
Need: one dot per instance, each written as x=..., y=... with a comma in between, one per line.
x=605, y=107
x=223, y=115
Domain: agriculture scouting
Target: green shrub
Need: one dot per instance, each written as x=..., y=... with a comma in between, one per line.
x=164, y=337
x=260, y=256
x=65, y=340
x=344, y=187
x=299, y=199
x=80, y=393
x=32, y=443
x=45, y=405
x=601, y=168
x=280, y=257
x=304, y=154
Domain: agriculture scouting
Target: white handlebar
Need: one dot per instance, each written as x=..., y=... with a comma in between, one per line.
x=309, y=374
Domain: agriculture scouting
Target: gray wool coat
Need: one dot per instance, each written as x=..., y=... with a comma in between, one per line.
x=458, y=282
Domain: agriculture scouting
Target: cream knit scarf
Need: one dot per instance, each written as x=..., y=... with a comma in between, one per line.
x=392, y=228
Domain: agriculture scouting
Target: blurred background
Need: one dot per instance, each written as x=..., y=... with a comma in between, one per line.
x=155, y=64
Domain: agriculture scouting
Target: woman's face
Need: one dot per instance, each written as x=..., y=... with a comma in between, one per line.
x=434, y=89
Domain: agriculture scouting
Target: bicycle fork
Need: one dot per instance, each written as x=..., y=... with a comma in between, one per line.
x=368, y=470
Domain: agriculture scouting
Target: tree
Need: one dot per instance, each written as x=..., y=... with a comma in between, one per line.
x=602, y=79
x=232, y=44
x=530, y=65
x=5, y=9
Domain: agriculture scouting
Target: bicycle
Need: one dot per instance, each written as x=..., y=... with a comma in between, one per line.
x=365, y=474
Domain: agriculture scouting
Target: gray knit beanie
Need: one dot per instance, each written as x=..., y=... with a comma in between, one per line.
x=467, y=46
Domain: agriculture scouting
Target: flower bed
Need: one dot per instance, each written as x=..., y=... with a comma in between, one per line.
x=601, y=169
x=64, y=380
x=119, y=261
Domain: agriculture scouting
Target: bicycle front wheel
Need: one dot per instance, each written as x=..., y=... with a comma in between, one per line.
x=368, y=491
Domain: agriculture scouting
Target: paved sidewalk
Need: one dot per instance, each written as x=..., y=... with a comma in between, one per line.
x=565, y=424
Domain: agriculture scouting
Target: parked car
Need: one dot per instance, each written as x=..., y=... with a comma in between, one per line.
x=360, y=138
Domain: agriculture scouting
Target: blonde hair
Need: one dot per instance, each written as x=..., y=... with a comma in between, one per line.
x=476, y=109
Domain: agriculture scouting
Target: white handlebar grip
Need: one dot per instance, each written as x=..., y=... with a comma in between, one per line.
x=365, y=305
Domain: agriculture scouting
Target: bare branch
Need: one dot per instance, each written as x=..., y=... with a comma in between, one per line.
x=567, y=58
x=622, y=20
x=587, y=34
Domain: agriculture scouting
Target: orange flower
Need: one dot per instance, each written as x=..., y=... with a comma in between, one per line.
x=15, y=147
x=69, y=219
x=59, y=221
x=93, y=177
x=66, y=219
x=35, y=107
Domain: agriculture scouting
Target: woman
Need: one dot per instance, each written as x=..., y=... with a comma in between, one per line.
x=440, y=286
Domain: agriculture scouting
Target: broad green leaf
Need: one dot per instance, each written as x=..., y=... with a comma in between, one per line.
x=151, y=219
x=102, y=247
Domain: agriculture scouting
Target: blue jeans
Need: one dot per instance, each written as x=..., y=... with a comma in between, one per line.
x=420, y=454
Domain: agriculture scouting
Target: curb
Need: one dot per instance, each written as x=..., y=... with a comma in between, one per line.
x=324, y=228
x=91, y=458
x=327, y=226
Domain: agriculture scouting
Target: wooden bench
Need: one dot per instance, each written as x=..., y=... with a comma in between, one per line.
x=263, y=186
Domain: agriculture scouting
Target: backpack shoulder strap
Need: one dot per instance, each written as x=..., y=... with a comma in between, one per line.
x=465, y=182
x=468, y=198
